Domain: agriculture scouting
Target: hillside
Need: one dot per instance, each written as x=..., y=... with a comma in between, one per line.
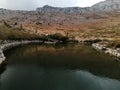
x=75, y=22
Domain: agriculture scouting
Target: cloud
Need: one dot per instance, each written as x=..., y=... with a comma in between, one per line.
x=59, y=3
x=33, y=4
x=18, y=4
x=87, y=3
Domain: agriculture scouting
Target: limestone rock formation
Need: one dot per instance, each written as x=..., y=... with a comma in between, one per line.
x=69, y=10
x=108, y=5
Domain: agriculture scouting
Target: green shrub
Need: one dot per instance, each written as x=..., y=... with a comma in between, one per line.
x=58, y=36
x=7, y=25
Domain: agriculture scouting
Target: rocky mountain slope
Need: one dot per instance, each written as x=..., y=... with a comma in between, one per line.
x=108, y=5
x=59, y=15
x=72, y=20
x=68, y=10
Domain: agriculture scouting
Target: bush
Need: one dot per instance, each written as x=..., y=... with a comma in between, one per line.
x=7, y=25
x=59, y=37
x=114, y=44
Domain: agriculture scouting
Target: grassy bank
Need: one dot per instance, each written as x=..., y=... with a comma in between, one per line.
x=9, y=33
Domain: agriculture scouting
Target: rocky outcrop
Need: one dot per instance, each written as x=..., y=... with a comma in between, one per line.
x=2, y=57
x=108, y=5
x=99, y=46
x=68, y=10
x=105, y=49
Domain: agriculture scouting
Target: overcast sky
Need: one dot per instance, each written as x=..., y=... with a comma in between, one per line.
x=33, y=4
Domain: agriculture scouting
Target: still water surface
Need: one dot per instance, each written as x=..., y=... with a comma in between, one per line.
x=59, y=67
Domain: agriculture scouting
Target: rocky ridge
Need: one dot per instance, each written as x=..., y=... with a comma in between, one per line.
x=108, y=5
x=68, y=10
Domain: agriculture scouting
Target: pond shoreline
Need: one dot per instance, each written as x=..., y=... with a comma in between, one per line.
x=111, y=51
x=9, y=44
x=12, y=43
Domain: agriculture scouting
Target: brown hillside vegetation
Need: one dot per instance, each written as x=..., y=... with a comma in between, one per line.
x=76, y=23
x=107, y=27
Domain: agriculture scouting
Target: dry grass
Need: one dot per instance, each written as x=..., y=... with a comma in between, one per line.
x=7, y=33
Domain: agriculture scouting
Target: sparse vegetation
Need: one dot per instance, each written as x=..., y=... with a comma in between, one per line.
x=6, y=24
x=58, y=36
x=7, y=33
x=114, y=44
x=55, y=37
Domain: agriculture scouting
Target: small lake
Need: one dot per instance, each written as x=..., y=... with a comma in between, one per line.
x=59, y=67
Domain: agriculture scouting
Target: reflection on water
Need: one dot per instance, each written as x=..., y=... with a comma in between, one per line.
x=59, y=67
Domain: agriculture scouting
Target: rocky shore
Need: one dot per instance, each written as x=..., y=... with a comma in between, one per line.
x=8, y=44
x=105, y=49
x=4, y=45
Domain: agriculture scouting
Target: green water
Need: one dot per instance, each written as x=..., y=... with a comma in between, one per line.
x=59, y=67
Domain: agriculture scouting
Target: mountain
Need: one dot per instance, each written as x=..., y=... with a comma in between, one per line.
x=104, y=6
x=108, y=5
x=75, y=20
x=50, y=9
